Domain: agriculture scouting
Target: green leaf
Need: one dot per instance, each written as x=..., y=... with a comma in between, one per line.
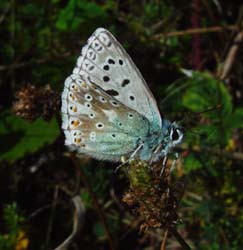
x=19, y=137
x=12, y=220
x=30, y=9
x=77, y=12
x=86, y=198
x=235, y=120
x=99, y=230
x=213, y=134
x=205, y=92
x=191, y=163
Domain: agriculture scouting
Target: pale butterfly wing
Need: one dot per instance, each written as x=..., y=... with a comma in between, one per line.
x=108, y=65
x=97, y=124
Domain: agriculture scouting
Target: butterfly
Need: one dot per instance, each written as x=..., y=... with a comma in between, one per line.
x=108, y=110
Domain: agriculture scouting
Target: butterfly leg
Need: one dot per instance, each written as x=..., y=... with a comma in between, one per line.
x=163, y=165
x=136, y=150
x=172, y=165
x=130, y=158
x=124, y=162
x=174, y=161
x=155, y=155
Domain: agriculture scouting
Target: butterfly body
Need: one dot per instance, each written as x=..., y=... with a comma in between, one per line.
x=107, y=108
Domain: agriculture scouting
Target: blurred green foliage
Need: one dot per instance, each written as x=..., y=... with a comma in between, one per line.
x=22, y=137
x=12, y=221
x=40, y=42
x=81, y=13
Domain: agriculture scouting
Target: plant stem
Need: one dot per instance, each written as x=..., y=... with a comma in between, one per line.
x=179, y=238
x=197, y=31
x=95, y=200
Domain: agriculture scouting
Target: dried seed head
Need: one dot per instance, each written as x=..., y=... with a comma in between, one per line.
x=155, y=198
x=36, y=102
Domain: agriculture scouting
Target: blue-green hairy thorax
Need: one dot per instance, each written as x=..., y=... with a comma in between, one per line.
x=108, y=111
x=160, y=143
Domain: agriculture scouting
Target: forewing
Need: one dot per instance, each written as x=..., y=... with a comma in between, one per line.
x=107, y=64
x=97, y=124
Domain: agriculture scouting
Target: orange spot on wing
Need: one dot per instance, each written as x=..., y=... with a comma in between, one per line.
x=84, y=85
x=75, y=123
x=78, y=140
x=72, y=96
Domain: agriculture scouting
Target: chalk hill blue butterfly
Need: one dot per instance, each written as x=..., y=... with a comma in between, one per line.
x=108, y=111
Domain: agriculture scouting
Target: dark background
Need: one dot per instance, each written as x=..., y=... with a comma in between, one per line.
x=40, y=42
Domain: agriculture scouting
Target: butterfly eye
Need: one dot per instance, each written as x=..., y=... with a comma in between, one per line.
x=176, y=135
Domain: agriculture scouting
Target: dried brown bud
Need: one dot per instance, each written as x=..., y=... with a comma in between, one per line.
x=156, y=198
x=36, y=102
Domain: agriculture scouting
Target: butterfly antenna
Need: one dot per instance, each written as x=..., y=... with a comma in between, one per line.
x=191, y=114
x=219, y=106
x=195, y=133
x=172, y=89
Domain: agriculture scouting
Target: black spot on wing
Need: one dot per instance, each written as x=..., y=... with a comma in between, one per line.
x=106, y=67
x=106, y=78
x=132, y=98
x=111, y=61
x=112, y=92
x=125, y=82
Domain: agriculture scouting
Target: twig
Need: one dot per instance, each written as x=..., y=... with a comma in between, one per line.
x=78, y=181
x=197, y=31
x=12, y=41
x=182, y=242
x=229, y=155
x=49, y=228
x=95, y=200
x=78, y=221
x=17, y=64
x=39, y=210
x=22, y=64
x=164, y=240
x=196, y=40
x=231, y=56
x=5, y=12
